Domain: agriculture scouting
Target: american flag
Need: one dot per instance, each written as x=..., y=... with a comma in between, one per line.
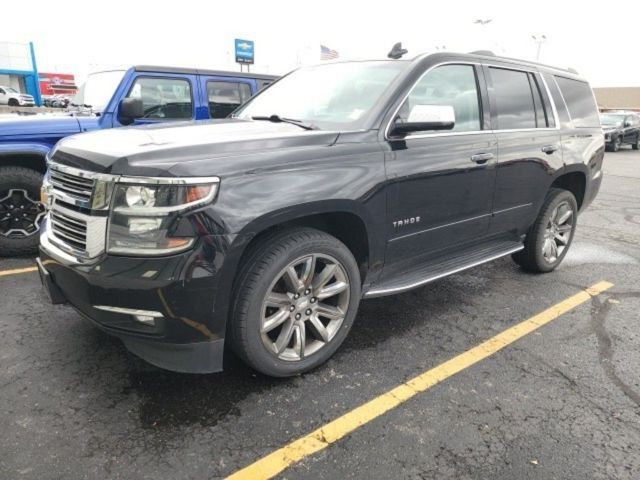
x=327, y=54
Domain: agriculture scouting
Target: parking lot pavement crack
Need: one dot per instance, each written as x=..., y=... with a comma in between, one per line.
x=606, y=347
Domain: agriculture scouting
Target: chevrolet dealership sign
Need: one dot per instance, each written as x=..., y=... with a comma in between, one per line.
x=244, y=51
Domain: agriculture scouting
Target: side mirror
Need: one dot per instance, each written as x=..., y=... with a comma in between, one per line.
x=627, y=123
x=130, y=109
x=426, y=117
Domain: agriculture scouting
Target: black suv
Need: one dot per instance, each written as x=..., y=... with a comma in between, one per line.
x=619, y=129
x=339, y=182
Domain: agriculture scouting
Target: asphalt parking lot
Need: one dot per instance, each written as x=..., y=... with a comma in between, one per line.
x=561, y=402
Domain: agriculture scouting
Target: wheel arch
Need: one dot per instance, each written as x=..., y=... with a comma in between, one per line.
x=33, y=157
x=574, y=179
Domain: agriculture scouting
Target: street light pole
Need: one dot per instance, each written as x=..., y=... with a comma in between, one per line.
x=539, y=39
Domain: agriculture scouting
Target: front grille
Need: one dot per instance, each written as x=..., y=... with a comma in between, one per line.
x=79, y=188
x=74, y=225
x=69, y=230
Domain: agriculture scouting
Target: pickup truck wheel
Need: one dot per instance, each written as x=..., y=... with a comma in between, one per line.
x=636, y=145
x=21, y=212
x=13, y=102
x=617, y=143
x=549, y=238
x=295, y=301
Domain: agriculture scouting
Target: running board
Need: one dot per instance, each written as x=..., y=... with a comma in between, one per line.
x=443, y=267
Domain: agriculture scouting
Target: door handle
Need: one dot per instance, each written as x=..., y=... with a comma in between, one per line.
x=482, y=158
x=549, y=149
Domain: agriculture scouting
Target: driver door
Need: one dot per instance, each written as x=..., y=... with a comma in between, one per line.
x=442, y=181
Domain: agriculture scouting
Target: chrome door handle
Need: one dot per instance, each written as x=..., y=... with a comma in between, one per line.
x=549, y=149
x=481, y=158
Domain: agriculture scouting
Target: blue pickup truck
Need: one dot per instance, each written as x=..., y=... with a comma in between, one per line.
x=109, y=99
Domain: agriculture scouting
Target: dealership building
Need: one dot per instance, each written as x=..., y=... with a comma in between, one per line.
x=18, y=68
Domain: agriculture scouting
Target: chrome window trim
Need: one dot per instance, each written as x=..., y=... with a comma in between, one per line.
x=566, y=107
x=388, y=138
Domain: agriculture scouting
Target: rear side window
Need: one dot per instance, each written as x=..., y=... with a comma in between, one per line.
x=580, y=102
x=225, y=97
x=513, y=99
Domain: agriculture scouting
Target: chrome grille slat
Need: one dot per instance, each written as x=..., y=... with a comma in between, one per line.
x=69, y=238
x=70, y=220
x=80, y=233
x=77, y=187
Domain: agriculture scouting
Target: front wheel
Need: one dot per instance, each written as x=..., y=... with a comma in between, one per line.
x=617, y=143
x=295, y=301
x=636, y=145
x=550, y=236
x=21, y=212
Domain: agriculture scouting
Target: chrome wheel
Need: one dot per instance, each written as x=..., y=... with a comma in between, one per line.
x=20, y=215
x=558, y=232
x=305, y=307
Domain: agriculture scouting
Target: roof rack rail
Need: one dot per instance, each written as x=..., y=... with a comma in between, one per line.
x=572, y=70
x=486, y=53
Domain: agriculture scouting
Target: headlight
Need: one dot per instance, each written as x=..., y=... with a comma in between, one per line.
x=145, y=209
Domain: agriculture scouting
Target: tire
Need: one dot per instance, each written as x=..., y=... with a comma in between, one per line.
x=636, y=145
x=262, y=273
x=533, y=258
x=13, y=102
x=20, y=180
x=617, y=143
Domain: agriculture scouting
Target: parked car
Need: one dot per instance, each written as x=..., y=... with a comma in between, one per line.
x=339, y=182
x=619, y=129
x=166, y=94
x=12, y=97
x=60, y=101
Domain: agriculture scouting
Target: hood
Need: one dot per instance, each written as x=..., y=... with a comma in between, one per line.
x=37, y=125
x=155, y=150
x=609, y=128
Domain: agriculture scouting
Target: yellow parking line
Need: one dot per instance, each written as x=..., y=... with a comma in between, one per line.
x=319, y=439
x=17, y=271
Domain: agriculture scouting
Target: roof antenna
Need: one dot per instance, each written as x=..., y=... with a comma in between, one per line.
x=397, y=51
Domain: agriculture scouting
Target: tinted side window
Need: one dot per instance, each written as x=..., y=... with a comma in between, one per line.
x=225, y=97
x=453, y=85
x=580, y=102
x=163, y=98
x=513, y=99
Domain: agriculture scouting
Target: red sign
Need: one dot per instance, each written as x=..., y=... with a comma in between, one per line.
x=57, y=84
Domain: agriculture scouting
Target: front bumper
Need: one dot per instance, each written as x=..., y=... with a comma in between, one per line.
x=27, y=102
x=186, y=336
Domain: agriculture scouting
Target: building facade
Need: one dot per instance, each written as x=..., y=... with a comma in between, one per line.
x=18, y=68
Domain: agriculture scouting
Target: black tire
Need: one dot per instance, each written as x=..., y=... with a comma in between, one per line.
x=636, y=145
x=616, y=144
x=24, y=179
x=259, y=270
x=13, y=102
x=532, y=258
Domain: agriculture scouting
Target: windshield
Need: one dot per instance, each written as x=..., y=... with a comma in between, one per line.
x=337, y=95
x=613, y=120
x=98, y=89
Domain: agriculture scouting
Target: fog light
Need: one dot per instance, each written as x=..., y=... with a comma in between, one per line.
x=146, y=319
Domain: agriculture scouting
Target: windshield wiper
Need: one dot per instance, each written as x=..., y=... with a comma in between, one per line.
x=279, y=119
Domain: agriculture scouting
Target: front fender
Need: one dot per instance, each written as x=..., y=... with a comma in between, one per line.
x=26, y=148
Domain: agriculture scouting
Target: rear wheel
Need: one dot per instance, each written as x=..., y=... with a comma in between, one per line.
x=295, y=302
x=549, y=238
x=636, y=145
x=21, y=211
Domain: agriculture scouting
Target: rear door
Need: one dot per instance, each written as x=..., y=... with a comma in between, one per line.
x=3, y=97
x=222, y=95
x=529, y=148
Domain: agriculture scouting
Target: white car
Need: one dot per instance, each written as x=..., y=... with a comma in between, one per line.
x=10, y=96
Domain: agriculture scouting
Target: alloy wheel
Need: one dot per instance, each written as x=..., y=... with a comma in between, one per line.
x=558, y=232
x=304, y=307
x=20, y=215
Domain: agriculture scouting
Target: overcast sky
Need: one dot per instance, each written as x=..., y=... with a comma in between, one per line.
x=81, y=36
